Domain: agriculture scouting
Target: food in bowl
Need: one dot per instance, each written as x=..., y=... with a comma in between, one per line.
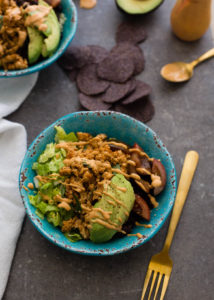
x=95, y=187
x=29, y=31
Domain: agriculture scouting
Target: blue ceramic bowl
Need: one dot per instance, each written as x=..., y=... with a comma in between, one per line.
x=123, y=128
x=69, y=30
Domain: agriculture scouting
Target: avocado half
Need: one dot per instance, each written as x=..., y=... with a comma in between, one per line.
x=137, y=7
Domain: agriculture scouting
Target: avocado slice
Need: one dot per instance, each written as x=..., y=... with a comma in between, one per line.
x=138, y=6
x=35, y=44
x=100, y=233
x=52, y=41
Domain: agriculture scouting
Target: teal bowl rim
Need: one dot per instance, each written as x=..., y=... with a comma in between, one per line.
x=47, y=62
x=114, y=251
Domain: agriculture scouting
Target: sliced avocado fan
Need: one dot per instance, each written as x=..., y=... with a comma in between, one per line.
x=35, y=44
x=138, y=6
x=52, y=41
x=119, y=213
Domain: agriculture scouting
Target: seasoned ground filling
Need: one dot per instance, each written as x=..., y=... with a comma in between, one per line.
x=13, y=34
x=89, y=166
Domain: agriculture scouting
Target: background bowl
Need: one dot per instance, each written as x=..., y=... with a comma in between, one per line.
x=69, y=30
x=123, y=128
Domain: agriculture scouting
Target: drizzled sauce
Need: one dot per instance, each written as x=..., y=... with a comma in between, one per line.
x=37, y=16
x=106, y=214
x=108, y=225
x=141, y=153
x=140, y=184
x=132, y=175
x=30, y=185
x=60, y=199
x=118, y=144
x=115, y=199
x=139, y=235
x=119, y=188
x=143, y=171
x=152, y=199
x=131, y=162
x=143, y=225
x=111, y=202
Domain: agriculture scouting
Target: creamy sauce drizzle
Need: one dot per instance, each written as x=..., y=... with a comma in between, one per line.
x=118, y=144
x=106, y=214
x=140, y=184
x=143, y=225
x=141, y=153
x=131, y=162
x=132, y=175
x=45, y=197
x=111, y=202
x=119, y=188
x=60, y=199
x=139, y=235
x=64, y=205
x=152, y=199
x=156, y=180
x=37, y=16
x=108, y=225
x=143, y=171
x=115, y=199
x=30, y=185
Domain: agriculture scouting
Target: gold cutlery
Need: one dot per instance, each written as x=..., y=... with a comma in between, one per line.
x=161, y=264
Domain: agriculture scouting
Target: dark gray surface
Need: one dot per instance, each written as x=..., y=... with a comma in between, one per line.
x=184, y=120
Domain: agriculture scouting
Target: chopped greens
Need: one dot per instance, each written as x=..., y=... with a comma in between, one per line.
x=48, y=165
x=73, y=237
x=62, y=136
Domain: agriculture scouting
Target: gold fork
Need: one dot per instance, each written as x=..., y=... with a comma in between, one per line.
x=162, y=263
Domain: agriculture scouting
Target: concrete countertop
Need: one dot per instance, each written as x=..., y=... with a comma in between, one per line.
x=184, y=120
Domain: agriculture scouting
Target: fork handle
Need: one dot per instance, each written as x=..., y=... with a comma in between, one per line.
x=189, y=167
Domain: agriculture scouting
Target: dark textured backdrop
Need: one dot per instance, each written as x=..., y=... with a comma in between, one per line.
x=184, y=120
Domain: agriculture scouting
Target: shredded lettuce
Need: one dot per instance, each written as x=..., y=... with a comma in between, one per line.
x=47, y=154
x=49, y=162
x=54, y=218
x=53, y=165
x=73, y=236
x=62, y=136
x=44, y=207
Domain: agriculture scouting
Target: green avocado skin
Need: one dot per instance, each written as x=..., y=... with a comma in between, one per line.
x=136, y=7
x=100, y=233
x=35, y=44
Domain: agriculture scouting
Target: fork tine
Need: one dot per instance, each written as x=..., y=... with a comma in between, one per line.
x=148, y=275
x=165, y=284
x=158, y=284
x=152, y=285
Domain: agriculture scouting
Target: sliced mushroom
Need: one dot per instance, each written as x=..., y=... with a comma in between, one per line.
x=136, y=158
x=145, y=164
x=144, y=185
x=114, y=147
x=159, y=170
x=141, y=208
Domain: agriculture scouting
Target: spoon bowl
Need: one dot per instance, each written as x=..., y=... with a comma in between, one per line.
x=177, y=72
x=181, y=71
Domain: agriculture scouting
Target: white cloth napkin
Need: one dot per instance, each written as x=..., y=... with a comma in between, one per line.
x=12, y=149
x=13, y=92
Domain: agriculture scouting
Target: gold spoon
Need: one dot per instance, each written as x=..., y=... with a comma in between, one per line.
x=181, y=71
